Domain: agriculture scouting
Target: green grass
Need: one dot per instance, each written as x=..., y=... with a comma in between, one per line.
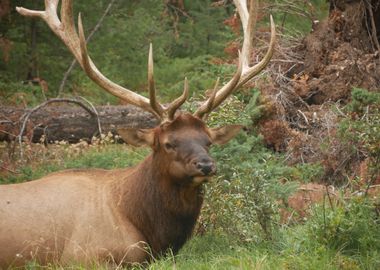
x=214, y=252
x=42, y=161
x=294, y=251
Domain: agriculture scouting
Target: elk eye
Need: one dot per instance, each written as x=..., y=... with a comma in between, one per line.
x=169, y=146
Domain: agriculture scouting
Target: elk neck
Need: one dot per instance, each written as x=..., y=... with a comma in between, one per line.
x=164, y=210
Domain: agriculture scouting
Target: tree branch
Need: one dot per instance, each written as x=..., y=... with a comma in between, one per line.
x=27, y=115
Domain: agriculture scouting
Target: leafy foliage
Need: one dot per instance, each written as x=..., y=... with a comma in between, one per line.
x=252, y=184
x=350, y=227
x=360, y=132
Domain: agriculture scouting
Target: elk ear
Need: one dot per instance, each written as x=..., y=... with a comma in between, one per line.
x=137, y=137
x=222, y=135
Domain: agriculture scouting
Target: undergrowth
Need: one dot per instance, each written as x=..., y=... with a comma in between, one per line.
x=360, y=131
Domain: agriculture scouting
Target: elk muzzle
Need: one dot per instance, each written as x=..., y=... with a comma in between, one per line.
x=205, y=166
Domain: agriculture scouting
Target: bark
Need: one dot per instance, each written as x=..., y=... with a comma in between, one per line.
x=70, y=123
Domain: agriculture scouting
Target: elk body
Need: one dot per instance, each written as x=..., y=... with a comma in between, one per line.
x=127, y=215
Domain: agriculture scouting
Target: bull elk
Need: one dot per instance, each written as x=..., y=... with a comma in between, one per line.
x=127, y=215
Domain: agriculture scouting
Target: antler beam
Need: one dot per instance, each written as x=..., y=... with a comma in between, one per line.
x=244, y=72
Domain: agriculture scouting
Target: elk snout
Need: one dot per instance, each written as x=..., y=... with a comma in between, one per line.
x=205, y=166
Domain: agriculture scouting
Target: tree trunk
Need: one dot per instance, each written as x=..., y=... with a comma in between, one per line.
x=70, y=123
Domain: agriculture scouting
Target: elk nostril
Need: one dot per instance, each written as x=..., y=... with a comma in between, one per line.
x=206, y=167
x=206, y=170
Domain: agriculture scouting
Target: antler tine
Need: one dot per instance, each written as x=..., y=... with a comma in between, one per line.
x=222, y=94
x=166, y=114
x=173, y=107
x=94, y=74
x=152, y=88
x=249, y=28
x=244, y=73
x=251, y=72
x=230, y=87
x=202, y=111
x=50, y=9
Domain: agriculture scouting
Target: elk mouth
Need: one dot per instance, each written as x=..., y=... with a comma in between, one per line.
x=199, y=177
x=202, y=179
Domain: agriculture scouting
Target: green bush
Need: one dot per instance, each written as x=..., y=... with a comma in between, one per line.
x=252, y=181
x=351, y=227
x=21, y=94
x=360, y=131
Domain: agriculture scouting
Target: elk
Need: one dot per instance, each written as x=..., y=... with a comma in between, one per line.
x=127, y=215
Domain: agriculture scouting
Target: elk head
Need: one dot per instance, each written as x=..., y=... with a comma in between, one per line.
x=182, y=146
x=182, y=139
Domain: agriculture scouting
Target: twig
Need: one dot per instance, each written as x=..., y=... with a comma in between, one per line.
x=184, y=13
x=340, y=111
x=373, y=26
x=73, y=63
x=328, y=196
x=373, y=178
x=9, y=170
x=25, y=117
x=288, y=61
x=304, y=116
x=5, y=122
x=94, y=111
x=8, y=133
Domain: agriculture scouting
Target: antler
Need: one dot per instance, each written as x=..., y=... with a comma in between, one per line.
x=244, y=72
x=66, y=31
x=76, y=43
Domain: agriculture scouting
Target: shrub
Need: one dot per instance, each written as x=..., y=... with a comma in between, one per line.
x=360, y=132
x=252, y=182
x=21, y=94
x=351, y=227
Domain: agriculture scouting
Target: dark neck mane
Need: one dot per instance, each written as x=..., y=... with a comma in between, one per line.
x=164, y=212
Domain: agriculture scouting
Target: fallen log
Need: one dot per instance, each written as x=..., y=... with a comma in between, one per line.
x=69, y=123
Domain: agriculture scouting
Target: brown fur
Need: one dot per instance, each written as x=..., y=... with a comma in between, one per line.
x=117, y=216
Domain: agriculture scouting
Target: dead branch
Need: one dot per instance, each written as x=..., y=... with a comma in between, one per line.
x=27, y=115
x=373, y=26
